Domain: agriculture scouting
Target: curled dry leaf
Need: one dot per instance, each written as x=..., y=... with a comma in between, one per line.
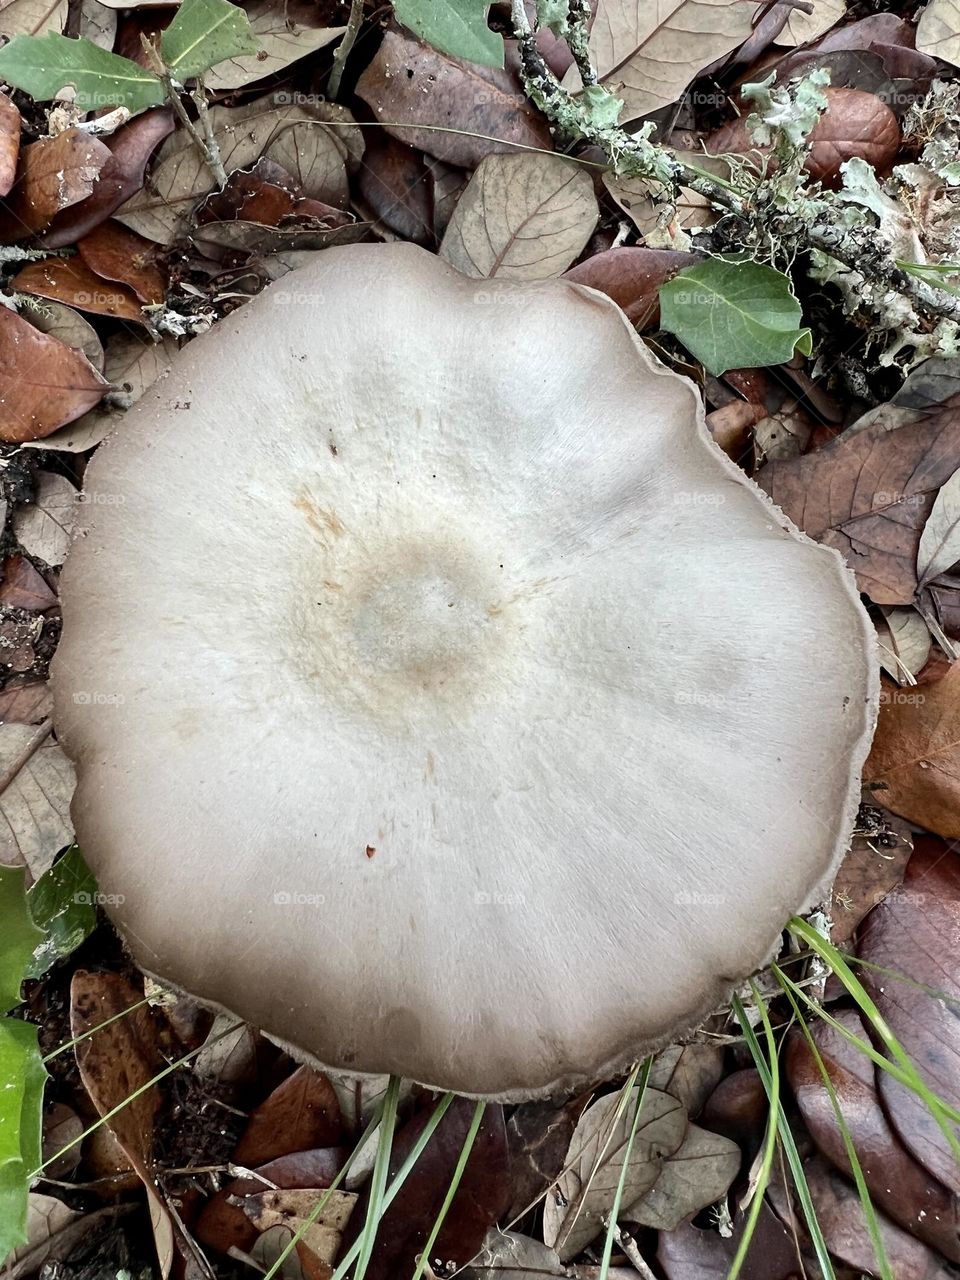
x=295, y=137
x=284, y=34
x=70, y=280
x=22, y=586
x=631, y=276
x=915, y=759
x=898, y=1185
x=43, y=384
x=117, y=1063
x=131, y=364
x=854, y=124
x=410, y=87
x=575, y=1211
x=869, y=494
x=521, y=217
x=53, y=174
x=9, y=143
x=130, y=148
x=36, y=786
x=66, y=325
x=913, y=937
x=905, y=643
x=939, y=547
x=43, y=526
x=116, y=253
x=648, y=54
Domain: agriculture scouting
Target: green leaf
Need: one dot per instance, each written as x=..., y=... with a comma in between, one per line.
x=62, y=904
x=18, y=935
x=457, y=27
x=21, y=1109
x=43, y=65
x=203, y=33
x=734, y=314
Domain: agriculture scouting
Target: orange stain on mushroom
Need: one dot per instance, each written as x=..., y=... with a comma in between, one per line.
x=320, y=520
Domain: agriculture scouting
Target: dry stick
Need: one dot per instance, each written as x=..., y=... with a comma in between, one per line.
x=855, y=247
x=206, y=142
x=345, y=46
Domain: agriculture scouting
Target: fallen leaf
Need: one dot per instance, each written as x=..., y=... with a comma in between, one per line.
x=738, y=1108
x=480, y=1200
x=575, y=1211
x=938, y=31
x=507, y=1256
x=869, y=494
x=915, y=758
x=914, y=938
x=117, y=1063
x=697, y=1174
x=322, y=1234
x=223, y=1225
x=43, y=384
x=691, y=1253
x=898, y=1186
x=32, y=17
x=646, y=55
x=688, y=1072
x=395, y=182
x=116, y=253
x=43, y=526
x=873, y=866
x=905, y=643
x=644, y=205
x=53, y=174
x=27, y=703
x=631, y=276
x=36, y=786
x=218, y=239
x=71, y=281
x=410, y=87
x=9, y=143
x=59, y=1246
x=66, y=325
x=22, y=587
x=97, y=23
x=801, y=27
x=939, y=547
x=538, y=1136
x=122, y=175
x=283, y=34
x=131, y=365
x=294, y=136
x=521, y=218
x=854, y=124
x=300, y=1114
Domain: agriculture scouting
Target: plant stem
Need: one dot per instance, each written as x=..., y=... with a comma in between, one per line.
x=345, y=46
x=206, y=141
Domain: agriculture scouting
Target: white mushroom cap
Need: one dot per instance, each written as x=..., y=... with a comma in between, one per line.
x=443, y=701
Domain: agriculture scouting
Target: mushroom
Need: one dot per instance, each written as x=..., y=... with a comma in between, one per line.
x=443, y=701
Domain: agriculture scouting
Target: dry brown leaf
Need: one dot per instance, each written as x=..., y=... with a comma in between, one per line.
x=395, y=182
x=284, y=34
x=300, y=1114
x=915, y=757
x=410, y=84
x=647, y=54
x=655, y=219
x=130, y=149
x=322, y=1234
x=98, y=24
x=117, y=1063
x=36, y=786
x=293, y=136
x=22, y=586
x=632, y=277
x=869, y=494
x=43, y=384
x=53, y=174
x=33, y=17
x=66, y=325
x=801, y=27
x=874, y=865
x=43, y=526
x=116, y=253
x=697, y=1174
x=9, y=143
x=131, y=364
x=28, y=703
x=521, y=217
x=938, y=31
x=905, y=643
x=70, y=280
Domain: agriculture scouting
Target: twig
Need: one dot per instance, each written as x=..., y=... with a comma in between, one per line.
x=206, y=141
x=578, y=39
x=636, y=156
x=345, y=46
